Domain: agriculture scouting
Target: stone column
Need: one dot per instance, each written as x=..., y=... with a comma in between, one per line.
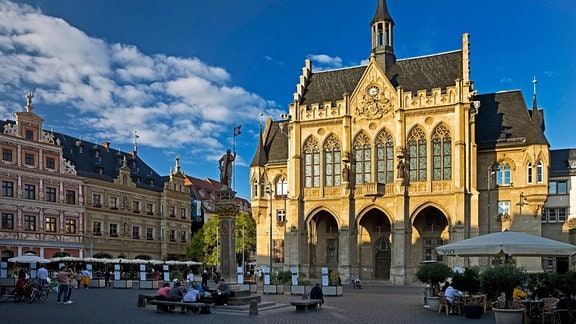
x=227, y=209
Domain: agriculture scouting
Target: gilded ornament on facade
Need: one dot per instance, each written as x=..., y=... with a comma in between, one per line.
x=373, y=105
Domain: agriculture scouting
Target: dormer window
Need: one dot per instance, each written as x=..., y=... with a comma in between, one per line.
x=29, y=134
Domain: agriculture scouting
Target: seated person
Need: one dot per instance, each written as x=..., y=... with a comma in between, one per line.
x=316, y=293
x=452, y=295
x=222, y=293
x=192, y=294
x=518, y=293
x=202, y=293
x=446, y=285
x=175, y=293
x=162, y=294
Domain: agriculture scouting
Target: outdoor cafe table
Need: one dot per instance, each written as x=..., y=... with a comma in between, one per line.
x=533, y=309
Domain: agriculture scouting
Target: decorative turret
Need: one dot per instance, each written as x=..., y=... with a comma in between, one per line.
x=382, y=36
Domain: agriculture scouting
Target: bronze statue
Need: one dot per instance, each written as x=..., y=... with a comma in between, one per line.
x=225, y=166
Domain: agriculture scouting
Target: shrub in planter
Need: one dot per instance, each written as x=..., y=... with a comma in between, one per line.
x=468, y=281
x=433, y=273
x=502, y=278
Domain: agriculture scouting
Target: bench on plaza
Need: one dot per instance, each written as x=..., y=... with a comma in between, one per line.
x=145, y=298
x=161, y=306
x=306, y=304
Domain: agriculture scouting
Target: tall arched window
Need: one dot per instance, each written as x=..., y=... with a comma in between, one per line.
x=442, y=154
x=282, y=187
x=417, y=149
x=255, y=189
x=504, y=175
x=363, y=158
x=529, y=172
x=384, y=158
x=311, y=163
x=539, y=172
x=332, y=162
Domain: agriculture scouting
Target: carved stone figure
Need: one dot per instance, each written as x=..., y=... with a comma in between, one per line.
x=345, y=174
x=225, y=166
x=400, y=168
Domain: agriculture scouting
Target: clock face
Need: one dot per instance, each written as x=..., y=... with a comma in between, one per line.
x=373, y=90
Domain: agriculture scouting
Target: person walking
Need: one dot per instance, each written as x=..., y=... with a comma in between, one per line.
x=43, y=276
x=86, y=277
x=63, y=279
x=190, y=278
x=107, y=278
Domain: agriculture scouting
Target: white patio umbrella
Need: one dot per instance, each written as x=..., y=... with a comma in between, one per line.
x=507, y=243
x=28, y=258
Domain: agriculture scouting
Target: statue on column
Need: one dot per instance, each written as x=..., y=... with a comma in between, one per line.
x=225, y=166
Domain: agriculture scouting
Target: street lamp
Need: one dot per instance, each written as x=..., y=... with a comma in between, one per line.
x=269, y=192
x=491, y=172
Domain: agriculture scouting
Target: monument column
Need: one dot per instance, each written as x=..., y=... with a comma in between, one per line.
x=227, y=209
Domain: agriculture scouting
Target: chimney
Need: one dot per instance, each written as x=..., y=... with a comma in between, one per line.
x=106, y=145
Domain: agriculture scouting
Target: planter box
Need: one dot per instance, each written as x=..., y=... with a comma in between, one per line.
x=97, y=283
x=148, y=284
x=300, y=290
x=273, y=289
x=332, y=290
x=8, y=282
x=433, y=303
x=472, y=311
x=508, y=316
x=123, y=284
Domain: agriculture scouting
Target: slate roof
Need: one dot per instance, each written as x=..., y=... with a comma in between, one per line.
x=504, y=120
x=419, y=73
x=382, y=13
x=559, y=164
x=274, y=149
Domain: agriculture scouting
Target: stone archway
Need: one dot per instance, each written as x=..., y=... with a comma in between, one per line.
x=374, y=254
x=431, y=226
x=323, y=243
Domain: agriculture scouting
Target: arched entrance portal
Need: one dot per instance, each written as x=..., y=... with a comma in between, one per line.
x=323, y=243
x=431, y=229
x=374, y=243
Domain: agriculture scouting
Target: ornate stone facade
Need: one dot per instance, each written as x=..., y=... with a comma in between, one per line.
x=377, y=165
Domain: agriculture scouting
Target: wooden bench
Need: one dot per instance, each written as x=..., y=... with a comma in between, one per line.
x=306, y=304
x=161, y=306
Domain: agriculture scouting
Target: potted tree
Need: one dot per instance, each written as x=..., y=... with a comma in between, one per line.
x=503, y=278
x=469, y=281
x=334, y=287
x=433, y=274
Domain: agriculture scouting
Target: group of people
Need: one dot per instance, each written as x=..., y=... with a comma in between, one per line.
x=195, y=292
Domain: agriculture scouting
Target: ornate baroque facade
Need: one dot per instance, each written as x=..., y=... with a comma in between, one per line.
x=376, y=165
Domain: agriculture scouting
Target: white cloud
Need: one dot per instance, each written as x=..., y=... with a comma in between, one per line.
x=322, y=62
x=113, y=89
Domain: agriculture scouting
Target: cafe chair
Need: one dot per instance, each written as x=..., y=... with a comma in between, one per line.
x=563, y=316
x=548, y=307
x=443, y=304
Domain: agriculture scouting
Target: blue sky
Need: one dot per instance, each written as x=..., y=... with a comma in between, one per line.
x=181, y=73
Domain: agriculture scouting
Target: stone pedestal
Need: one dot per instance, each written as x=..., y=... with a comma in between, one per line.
x=227, y=209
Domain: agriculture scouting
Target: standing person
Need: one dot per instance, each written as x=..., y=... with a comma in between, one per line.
x=316, y=293
x=70, y=285
x=63, y=279
x=225, y=166
x=107, y=278
x=222, y=293
x=85, y=281
x=205, y=279
x=190, y=278
x=43, y=276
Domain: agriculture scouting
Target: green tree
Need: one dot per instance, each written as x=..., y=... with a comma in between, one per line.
x=203, y=244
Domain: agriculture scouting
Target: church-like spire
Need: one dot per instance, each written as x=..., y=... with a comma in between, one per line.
x=382, y=35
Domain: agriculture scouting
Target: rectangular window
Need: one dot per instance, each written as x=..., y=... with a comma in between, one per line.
x=183, y=237
x=114, y=203
x=281, y=216
x=136, y=232
x=183, y=213
x=29, y=134
x=113, y=230
x=29, y=159
x=149, y=234
x=149, y=209
x=29, y=223
x=172, y=211
x=504, y=208
x=172, y=235
x=50, y=194
x=51, y=224
x=70, y=226
x=430, y=245
x=70, y=197
x=50, y=163
x=135, y=206
x=97, y=200
x=97, y=228
x=7, y=189
x=29, y=191
x=562, y=212
x=7, y=155
x=554, y=215
x=7, y=221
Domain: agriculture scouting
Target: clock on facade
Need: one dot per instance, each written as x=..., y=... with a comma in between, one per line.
x=373, y=91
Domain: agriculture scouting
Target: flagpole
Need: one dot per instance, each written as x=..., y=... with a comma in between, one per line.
x=234, y=150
